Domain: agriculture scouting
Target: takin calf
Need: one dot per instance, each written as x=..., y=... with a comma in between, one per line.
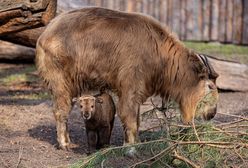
x=129, y=53
x=98, y=113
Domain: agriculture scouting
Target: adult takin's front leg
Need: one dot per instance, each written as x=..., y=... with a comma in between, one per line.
x=128, y=111
x=61, y=111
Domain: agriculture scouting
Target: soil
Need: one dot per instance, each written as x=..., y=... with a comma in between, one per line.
x=27, y=125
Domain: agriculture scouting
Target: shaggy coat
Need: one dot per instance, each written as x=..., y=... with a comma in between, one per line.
x=130, y=53
x=98, y=113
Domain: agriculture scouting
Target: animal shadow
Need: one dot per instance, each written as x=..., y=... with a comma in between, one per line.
x=47, y=133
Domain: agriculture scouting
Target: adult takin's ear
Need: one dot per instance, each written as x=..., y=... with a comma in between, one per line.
x=99, y=100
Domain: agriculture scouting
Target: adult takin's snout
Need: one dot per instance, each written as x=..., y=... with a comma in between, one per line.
x=130, y=53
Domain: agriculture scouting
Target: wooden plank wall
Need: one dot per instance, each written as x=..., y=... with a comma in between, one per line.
x=198, y=20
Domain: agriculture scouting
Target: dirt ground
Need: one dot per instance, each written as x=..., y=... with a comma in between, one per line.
x=27, y=125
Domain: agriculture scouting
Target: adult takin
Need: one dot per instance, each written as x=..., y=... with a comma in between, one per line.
x=98, y=113
x=130, y=53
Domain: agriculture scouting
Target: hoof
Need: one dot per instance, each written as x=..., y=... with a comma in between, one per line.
x=68, y=147
x=73, y=146
x=131, y=152
x=91, y=150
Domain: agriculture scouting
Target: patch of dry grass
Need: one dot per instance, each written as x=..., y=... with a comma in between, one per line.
x=18, y=77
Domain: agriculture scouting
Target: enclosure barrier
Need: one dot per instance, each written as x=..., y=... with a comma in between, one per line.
x=223, y=21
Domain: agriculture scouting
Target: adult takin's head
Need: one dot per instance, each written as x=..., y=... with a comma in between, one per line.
x=194, y=87
x=207, y=105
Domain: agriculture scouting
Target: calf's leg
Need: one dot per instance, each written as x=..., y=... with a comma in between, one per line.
x=104, y=134
x=92, y=140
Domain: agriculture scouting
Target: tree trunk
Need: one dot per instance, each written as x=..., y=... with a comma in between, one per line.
x=26, y=37
x=16, y=16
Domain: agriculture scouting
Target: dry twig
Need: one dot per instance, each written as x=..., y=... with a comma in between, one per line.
x=20, y=156
x=232, y=115
x=237, y=145
x=230, y=123
x=229, y=133
x=155, y=156
x=152, y=128
x=179, y=125
x=102, y=163
x=234, y=126
x=221, y=146
x=4, y=163
x=222, y=131
x=239, y=156
x=195, y=131
x=179, y=157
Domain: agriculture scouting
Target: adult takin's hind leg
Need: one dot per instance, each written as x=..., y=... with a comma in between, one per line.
x=61, y=110
x=62, y=105
x=56, y=75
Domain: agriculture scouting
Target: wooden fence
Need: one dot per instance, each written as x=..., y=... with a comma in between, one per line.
x=198, y=20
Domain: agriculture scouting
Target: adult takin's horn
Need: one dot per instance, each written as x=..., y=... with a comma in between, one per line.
x=212, y=73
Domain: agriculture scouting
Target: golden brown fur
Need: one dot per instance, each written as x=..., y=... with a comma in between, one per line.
x=98, y=113
x=133, y=54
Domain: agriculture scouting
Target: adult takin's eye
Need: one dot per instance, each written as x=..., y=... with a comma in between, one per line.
x=92, y=106
x=81, y=106
x=212, y=86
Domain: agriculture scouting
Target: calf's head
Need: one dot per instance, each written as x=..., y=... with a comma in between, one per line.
x=87, y=104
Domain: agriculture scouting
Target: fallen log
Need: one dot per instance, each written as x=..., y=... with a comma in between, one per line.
x=16, y=16
x=233, y=76
x=26, y=37
x=15, y=52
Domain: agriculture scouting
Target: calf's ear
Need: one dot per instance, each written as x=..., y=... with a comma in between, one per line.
x=75, y=99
